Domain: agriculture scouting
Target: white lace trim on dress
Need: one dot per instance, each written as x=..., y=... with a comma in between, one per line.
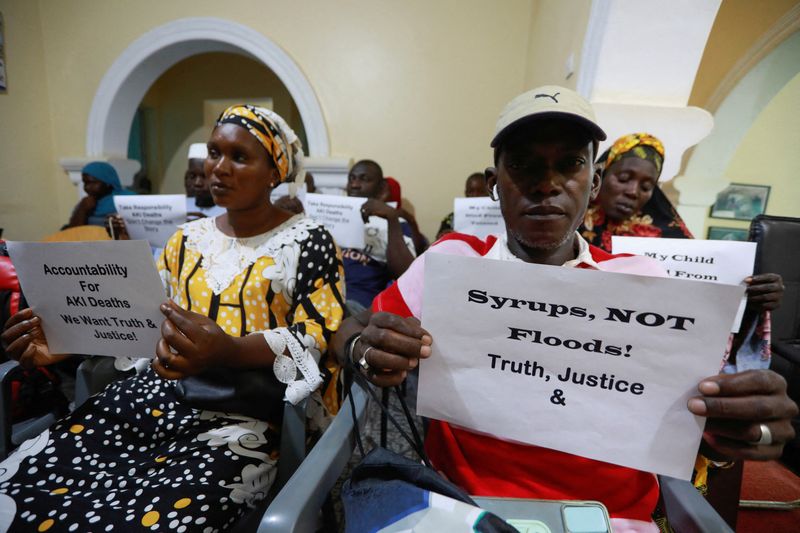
x=226, y=257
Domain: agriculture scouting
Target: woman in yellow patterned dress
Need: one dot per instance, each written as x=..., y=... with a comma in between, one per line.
x=190, y=442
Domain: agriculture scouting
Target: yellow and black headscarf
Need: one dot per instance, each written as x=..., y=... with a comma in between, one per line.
x=273, y=133
x=641, y=145
x=658, y=218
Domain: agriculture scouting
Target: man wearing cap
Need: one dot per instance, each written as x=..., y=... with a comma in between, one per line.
x=199, y=202
x=544, y=146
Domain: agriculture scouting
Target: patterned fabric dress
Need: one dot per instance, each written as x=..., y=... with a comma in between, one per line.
x=135, y=458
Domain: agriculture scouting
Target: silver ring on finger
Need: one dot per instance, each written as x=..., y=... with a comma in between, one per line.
x=363, y=361
x=766, y=436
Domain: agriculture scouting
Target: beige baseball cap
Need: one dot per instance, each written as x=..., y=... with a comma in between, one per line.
x=548, y=101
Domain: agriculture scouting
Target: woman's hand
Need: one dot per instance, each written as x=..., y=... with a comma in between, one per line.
x=764, y=292
x=118, y=229
x=24, y=340
x=373, y=207
x=737, y=405
x=190, y=343
x=391, y=346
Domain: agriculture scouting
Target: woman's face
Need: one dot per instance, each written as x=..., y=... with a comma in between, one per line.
x=240, y=173
x=95, y=187
x=627, y=185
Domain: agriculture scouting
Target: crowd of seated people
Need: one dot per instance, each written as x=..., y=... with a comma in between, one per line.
x=295, y=310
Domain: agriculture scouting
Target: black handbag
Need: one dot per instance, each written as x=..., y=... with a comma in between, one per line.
x=251, y=392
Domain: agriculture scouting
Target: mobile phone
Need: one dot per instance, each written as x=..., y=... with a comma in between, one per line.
x=549, y=516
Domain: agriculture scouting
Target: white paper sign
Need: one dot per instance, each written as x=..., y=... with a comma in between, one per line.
x=696, y=259
x=152, y=217
x=341, y=216
x=591, y=363
x=98, y=298
x=478, y=216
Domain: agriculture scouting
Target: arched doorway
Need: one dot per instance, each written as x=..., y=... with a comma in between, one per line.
x=135, y=70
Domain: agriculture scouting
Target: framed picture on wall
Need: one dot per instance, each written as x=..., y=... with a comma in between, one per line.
x=740, y=201
x=727, y=234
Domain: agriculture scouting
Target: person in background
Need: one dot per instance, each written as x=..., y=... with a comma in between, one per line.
x=394, y=193
x=631, y=203
x=101, y=184
x=544, y=173
x=474, y=187
x=389, y=248
x=181, y=442
x=199, y=201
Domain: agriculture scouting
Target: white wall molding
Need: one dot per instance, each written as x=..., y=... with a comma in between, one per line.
x=141, y=63
x=788, y=24
x=329, y=173
x=592, y=41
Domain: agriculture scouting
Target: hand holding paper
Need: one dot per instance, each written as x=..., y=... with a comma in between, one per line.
x=764, y=292
x=736, y=405
x=190, y=344
x=395, y=345
x=24, y=340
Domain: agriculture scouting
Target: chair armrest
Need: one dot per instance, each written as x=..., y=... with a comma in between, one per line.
x=296, y=507
x=94, y=375
x=686, y=509
x=6, y=371
x=293, y=443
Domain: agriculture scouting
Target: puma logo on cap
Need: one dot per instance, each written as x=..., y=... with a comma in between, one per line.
x=553, y=96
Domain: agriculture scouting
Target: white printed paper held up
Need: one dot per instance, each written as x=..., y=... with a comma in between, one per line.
x=98, y=298
x=152, y=217
x=341, y=216
x=726, y=262
x=591, y=363
x=478, y=216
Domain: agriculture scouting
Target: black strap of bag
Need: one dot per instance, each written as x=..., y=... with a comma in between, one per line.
x=414, y=440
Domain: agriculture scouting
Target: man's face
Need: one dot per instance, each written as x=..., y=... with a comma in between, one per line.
x=364, y=181
x=545, y=179
x=195, y=179
x=476, y=186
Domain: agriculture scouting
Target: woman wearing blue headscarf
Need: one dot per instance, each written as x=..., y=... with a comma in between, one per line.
x=101, y=183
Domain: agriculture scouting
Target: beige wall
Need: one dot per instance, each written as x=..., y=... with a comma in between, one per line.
x=416, y=85
x=557, y=29
x=174, y=108
x=738, y=26
x=768, y=155
x=29, y=174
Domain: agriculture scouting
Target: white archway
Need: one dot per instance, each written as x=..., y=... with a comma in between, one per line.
x=134, y=71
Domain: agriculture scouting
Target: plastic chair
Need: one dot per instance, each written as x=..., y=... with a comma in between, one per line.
x=79, y=233
x=296, y=507
x=12, y=435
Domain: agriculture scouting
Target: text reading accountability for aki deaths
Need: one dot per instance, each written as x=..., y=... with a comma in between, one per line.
x=98, y=298
x=591, y=363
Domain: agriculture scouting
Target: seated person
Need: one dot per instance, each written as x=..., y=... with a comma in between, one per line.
x=158, y=448
x=101, y=184
x=543, y=154
x=199, y=201
x=394, y=193
x=389, y=248
x=630, y=203
x=474, y=187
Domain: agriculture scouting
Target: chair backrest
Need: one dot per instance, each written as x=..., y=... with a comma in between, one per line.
x=79, y=233
x=778, y=250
